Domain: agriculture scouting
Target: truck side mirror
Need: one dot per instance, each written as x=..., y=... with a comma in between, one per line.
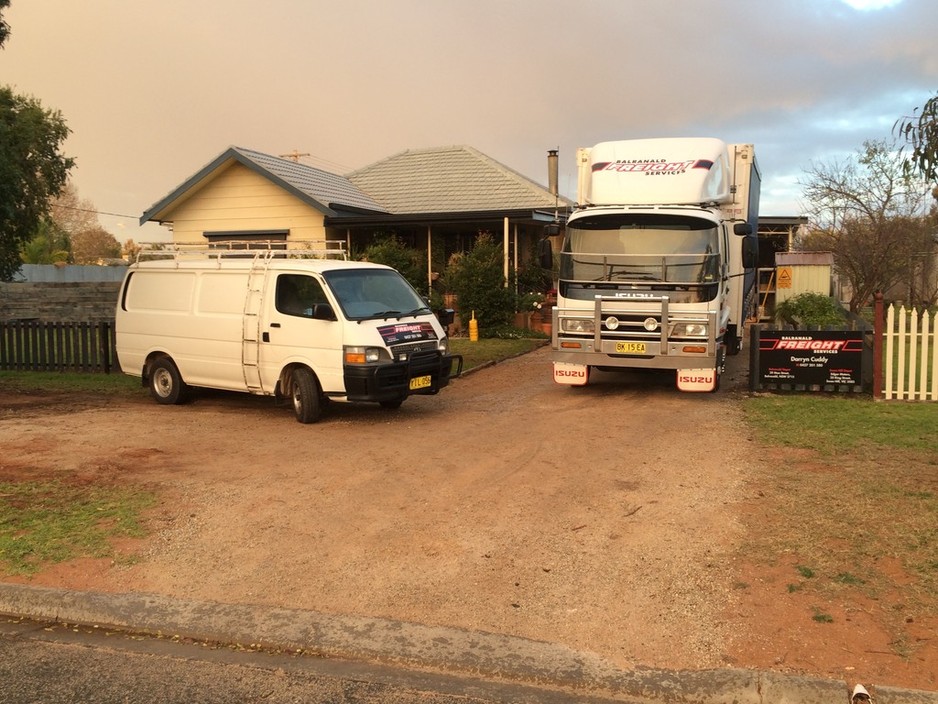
x=750, y=252
x=545, y=255
x=742, y=229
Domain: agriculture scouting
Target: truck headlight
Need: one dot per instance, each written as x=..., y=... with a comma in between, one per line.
x=365, y=355
x=581, y=325
x=689, y=330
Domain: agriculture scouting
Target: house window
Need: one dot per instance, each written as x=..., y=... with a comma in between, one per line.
x=247, y=239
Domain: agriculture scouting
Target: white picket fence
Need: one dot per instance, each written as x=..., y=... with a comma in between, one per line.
x=910, y=363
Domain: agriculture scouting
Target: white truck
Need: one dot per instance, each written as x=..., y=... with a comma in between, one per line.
x=293, y=324
x=657, y=268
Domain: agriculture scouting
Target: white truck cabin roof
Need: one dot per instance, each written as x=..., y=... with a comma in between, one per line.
x=680, y=171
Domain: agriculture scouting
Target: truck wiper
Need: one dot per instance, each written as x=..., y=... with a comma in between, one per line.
x=627, y=276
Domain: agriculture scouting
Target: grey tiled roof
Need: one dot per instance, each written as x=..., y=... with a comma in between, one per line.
x=446, y=180
x=329, y=189
x=327, y=192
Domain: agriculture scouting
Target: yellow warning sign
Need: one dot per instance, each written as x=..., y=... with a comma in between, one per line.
x=783, y=279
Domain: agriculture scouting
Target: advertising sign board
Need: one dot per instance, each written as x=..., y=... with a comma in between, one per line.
x=812, y=358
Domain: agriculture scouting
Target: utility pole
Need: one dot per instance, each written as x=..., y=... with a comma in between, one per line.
x=295, y=155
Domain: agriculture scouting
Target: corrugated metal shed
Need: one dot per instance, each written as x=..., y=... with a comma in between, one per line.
x=804, y=258
x=446, y=180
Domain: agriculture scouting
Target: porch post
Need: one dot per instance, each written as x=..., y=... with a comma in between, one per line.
x=505, y=251
x=429, y=260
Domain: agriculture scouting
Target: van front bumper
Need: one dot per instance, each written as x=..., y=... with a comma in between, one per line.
x=422, y=373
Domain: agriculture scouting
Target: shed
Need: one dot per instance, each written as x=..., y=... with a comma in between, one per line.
x=802, y=272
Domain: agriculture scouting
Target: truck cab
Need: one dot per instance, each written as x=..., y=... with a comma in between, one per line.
x=657, y=266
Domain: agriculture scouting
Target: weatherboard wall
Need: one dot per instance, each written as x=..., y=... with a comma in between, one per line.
x=239, y=200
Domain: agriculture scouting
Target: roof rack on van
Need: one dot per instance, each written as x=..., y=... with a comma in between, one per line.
x=241, y=249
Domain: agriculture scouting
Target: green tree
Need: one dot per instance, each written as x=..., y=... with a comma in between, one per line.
x=870, y=214
x=32, y=172
x=4, y=27
x=920, y=131
x=477, y=279
x=49, y=245
x=409, y=262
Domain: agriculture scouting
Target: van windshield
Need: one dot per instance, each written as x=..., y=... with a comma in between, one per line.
x=364, y=294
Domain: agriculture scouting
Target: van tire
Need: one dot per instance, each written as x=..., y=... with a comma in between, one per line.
x=166, y=384
x=304, y=395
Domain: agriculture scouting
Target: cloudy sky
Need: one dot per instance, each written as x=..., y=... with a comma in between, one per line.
x=155, y=90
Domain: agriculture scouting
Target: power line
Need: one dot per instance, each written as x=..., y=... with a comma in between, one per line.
x=97, y=212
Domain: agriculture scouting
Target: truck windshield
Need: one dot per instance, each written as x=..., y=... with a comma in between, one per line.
x=374, y=293
x=641, y=249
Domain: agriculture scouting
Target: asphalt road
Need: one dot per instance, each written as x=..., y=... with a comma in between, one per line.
x=58, y=664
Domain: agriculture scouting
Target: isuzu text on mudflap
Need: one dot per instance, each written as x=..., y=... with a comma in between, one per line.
x=285, y=323
x=657, y=269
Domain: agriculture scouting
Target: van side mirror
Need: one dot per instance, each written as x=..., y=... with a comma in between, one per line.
x=323, y=311
x=750, y=252
x=742, y=229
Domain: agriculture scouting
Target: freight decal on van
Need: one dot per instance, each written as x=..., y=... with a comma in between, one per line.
x=406, y=332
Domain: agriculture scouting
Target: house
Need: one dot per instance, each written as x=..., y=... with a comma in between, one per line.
x=436, y=200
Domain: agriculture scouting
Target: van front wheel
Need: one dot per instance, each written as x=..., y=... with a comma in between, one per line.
x=166, y=384
x=304, y=392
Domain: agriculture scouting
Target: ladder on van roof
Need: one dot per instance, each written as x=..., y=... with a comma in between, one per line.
x=243, y=249
x=251, y=321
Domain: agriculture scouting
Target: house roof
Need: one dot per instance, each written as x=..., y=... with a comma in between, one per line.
x=329, y=193
x=447, y=180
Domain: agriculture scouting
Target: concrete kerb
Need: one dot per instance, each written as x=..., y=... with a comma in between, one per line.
x=454, y=651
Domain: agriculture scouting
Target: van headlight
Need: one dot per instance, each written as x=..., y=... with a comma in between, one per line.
x=580, y=325
x=365, y=355
x=689, y=330
x=444, y=345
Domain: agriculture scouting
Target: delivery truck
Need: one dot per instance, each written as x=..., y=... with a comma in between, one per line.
x=300, y=325
x=658, y=264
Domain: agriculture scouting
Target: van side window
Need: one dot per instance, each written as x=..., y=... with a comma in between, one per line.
x=298, y=294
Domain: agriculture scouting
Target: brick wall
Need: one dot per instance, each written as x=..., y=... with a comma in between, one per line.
x=59, y=302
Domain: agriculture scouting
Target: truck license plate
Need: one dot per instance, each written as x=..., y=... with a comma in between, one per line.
x=630, y=348
x=420, y=382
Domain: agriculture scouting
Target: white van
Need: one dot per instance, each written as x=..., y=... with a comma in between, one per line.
x=283, y=323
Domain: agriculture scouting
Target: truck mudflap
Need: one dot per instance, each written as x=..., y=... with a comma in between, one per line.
x=571, y=374
x=699, y=380
x=422, y=373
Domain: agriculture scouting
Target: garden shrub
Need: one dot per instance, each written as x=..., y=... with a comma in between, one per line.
x=810, y=310
x=477, y=279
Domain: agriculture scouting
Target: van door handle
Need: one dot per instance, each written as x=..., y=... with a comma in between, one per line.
x=265, y=337
x=275, y=325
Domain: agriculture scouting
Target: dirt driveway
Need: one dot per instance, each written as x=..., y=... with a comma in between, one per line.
x=606, y=518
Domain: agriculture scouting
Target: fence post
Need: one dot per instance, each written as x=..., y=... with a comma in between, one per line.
x=878, y=345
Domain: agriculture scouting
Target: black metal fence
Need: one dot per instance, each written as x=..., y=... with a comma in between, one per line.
x=58, y=347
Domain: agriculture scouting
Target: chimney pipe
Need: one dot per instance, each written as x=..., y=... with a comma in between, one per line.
x=552, y=171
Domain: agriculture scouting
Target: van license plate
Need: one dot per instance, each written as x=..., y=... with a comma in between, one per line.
x=420, y=382
x=630, y=348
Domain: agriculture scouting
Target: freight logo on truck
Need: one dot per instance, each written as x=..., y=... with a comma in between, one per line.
x=406, y=332
x=652, y=167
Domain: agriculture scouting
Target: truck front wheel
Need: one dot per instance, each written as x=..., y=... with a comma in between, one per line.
x=304, y=393
x=166, y=384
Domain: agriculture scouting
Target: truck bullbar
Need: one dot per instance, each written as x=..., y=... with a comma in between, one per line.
x=631, y=324
x=241, y=249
